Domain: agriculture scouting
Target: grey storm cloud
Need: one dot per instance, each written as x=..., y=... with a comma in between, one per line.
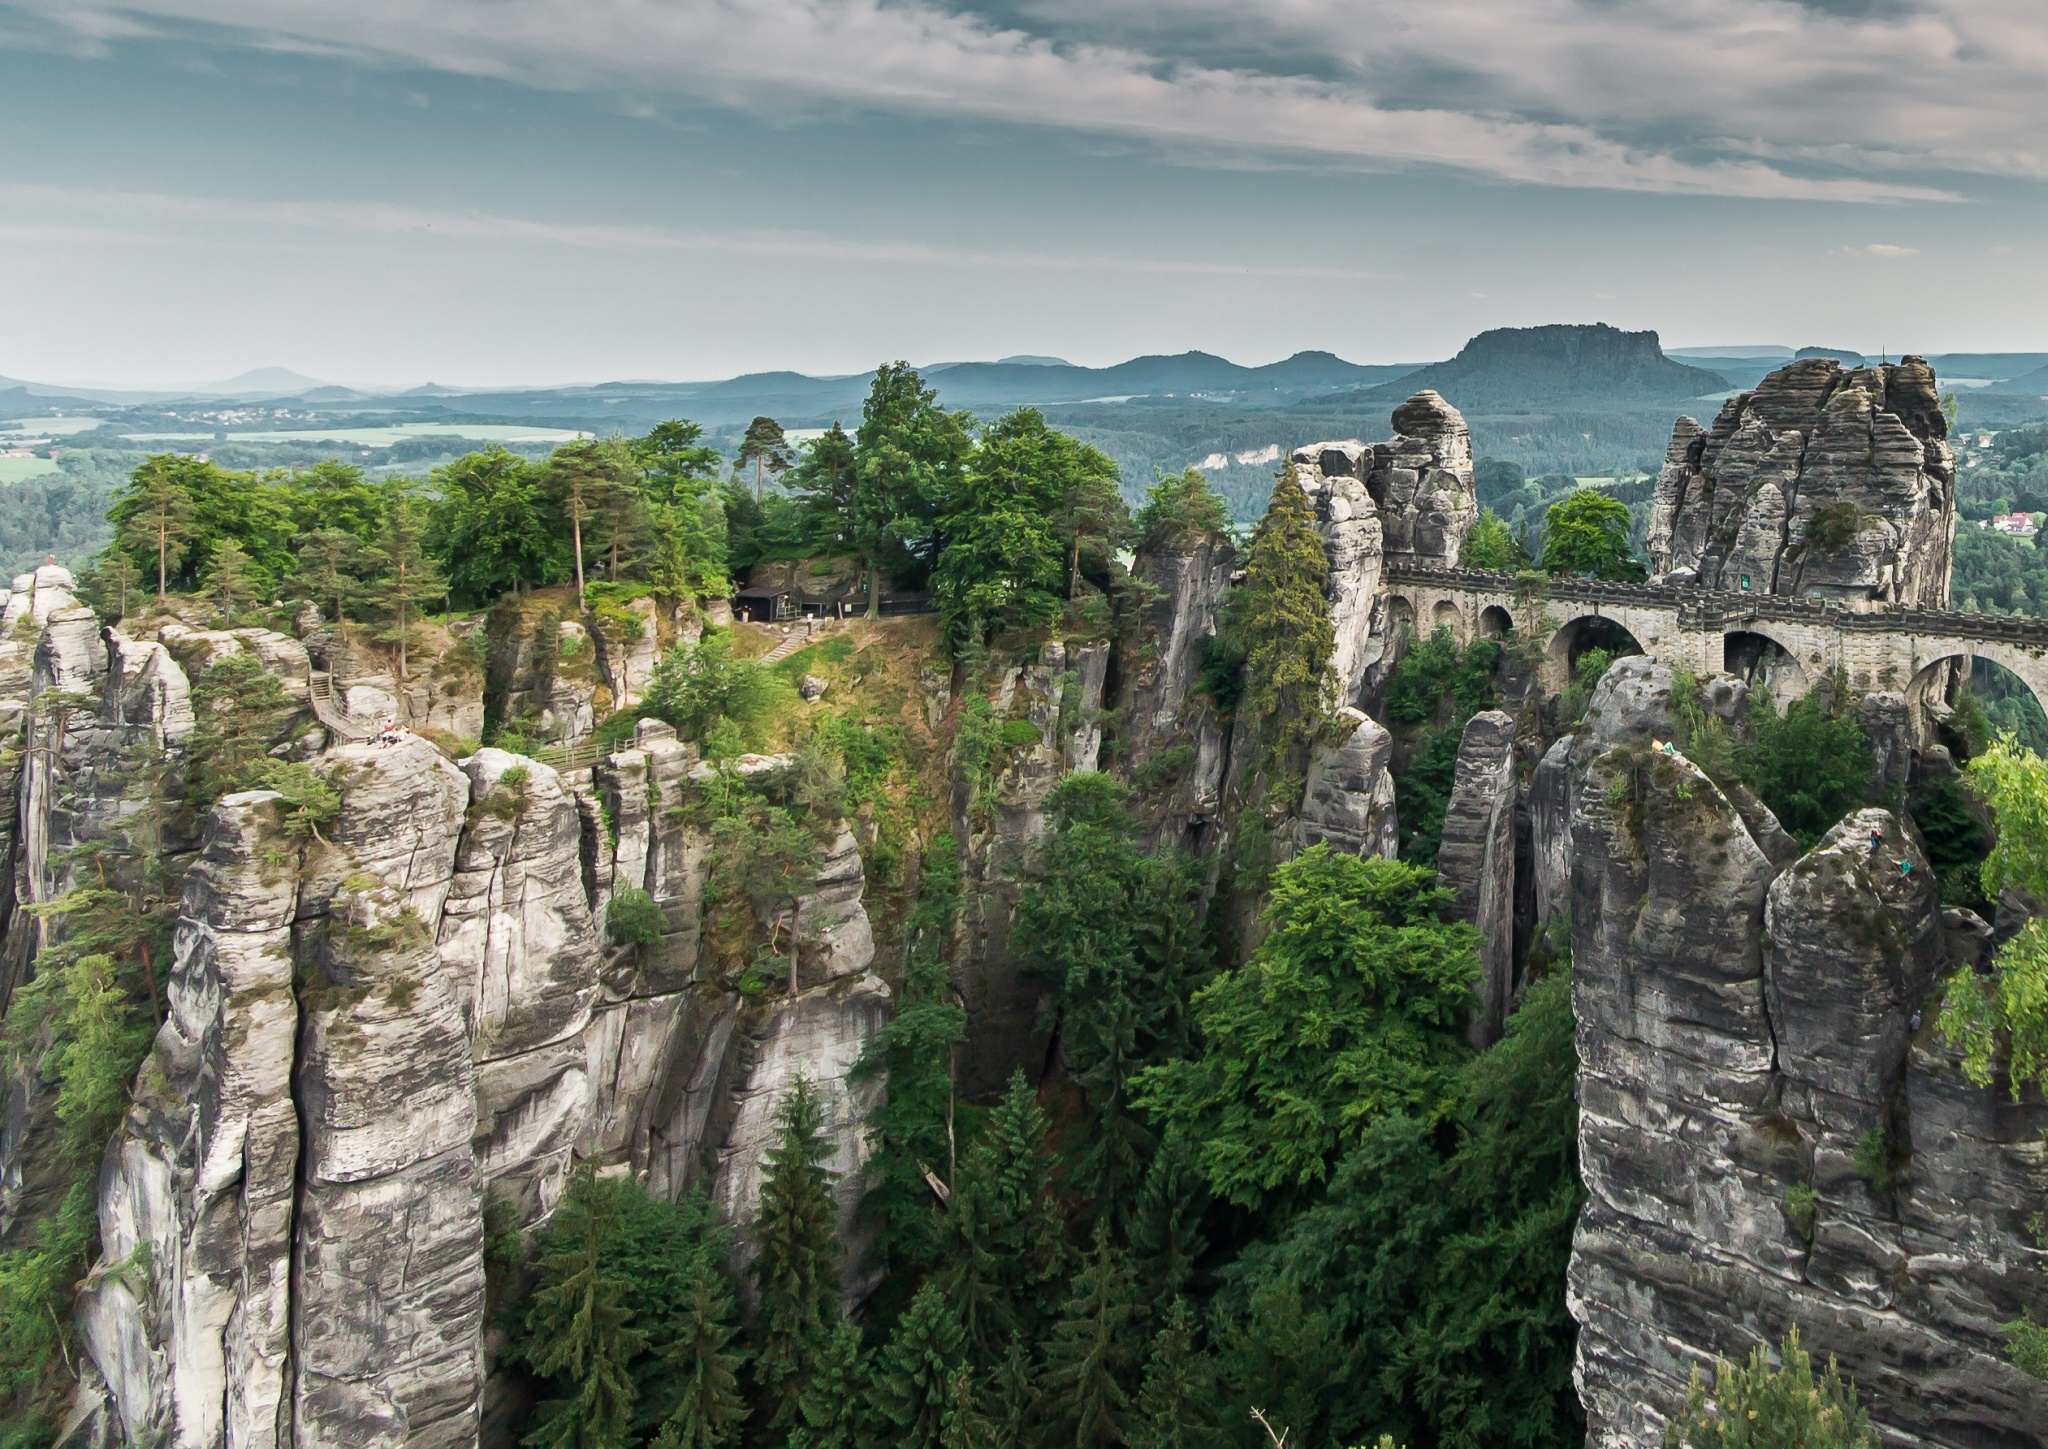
x=1762, y=99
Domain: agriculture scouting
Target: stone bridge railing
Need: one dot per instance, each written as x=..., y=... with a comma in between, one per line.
x=1697, y=607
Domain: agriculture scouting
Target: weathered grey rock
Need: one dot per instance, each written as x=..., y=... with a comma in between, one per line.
x=521, y=952
x=1000, y=834
x=1741, y=1027
x=1822, y=481
x=1171, y=743
x=1421, y=483
x=1476, y=859
x=810, y=687
x=37, y=595
x=1349, y=799
x=1353, y=542
x=193, y=1338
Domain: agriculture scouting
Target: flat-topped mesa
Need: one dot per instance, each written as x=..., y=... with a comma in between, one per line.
x=1833, y=482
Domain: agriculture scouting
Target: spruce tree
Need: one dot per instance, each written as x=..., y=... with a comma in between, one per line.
x=967, y=1426
x=1091, y=1360
x=1166, y=1223
x=796, y=1266
x=1282, y=619
x=829, y=1408
x=1176, y=1406
x=912, y=1128
x=1012, y=1396
x=911, y=1393
x=703, y=1367
x=577, y=1329
x=1003, y=1242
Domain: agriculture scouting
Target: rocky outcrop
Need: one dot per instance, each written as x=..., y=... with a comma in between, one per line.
x=1766, y=1142
x=1000, y=826
x=378, y=1029
x=1349, y=800
x=1476, y=859
x=1171, y=744
x=1825, y=481
x=1407, y=500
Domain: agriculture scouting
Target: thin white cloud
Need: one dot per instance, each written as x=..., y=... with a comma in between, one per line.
x=150, y=217
x=1884, y=251
x=1549, y=125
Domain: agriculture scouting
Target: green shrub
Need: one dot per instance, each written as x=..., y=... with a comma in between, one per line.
x=699, y=687
x=1811, y=764
x=1758, y=1406
x=1874, y=1162
x=2026, y=1346
x=1017, y=734
x=633, y=918
x=1801, y=1206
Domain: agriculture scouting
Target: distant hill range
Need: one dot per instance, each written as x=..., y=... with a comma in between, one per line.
x=1562, y=368
x=1516, y=369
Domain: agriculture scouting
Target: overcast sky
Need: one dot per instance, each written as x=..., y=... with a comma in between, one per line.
x=477, y=191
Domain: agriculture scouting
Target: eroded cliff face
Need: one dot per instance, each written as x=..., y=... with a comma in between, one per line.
x=1748, y=1023
x=1823, y=481
x=378, y=1027
x=1407, y=500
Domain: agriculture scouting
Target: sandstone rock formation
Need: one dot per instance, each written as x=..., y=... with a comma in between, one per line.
x=1171, y=736
x=1825, y=481
x=1407, y=500
x=1000, y=828
x=376, y=1029
x=1349, y=799
x=1476, y=859
x=1752, y=1030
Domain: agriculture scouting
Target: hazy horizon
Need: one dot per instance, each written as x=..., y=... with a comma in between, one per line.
x=531, y=192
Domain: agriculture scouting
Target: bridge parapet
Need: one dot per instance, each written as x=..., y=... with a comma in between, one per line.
x=1705, y=608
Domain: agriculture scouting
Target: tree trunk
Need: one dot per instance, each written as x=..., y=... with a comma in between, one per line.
x=163, y=547
x=792, y=948
x=757, y=480
x=874, y=589
x=1074, y=566
x=401, y=619
x=576, y=532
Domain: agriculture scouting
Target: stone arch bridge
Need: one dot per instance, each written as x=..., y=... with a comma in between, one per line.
x=1894, y=647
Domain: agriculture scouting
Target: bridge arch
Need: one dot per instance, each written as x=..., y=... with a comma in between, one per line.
x=1580, y=635
x=1755, y=654
x=1447, y=615
x=1495, y=622
x=1937, y=671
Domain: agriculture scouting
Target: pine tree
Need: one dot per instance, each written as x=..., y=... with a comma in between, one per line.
x=1091, y=1360
x=766, y=447
x=154, y=516
x=1282, y=619
x=231, y=579
x=699, y=1356
x=112, y=580
x=1176, y=1407
x=911, y=454
x=578, y=1331
x=829, y=1408
x=796, y=1266
x=911, y=1389
x=406, y=574
x=592, y=479
x=1003, y=1252
x=328, y=559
